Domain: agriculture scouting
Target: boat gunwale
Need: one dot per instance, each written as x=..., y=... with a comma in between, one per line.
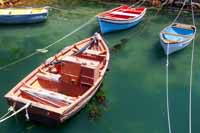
x=100, y=15
x=62, y=110
x=43, y=11
x=166, y=41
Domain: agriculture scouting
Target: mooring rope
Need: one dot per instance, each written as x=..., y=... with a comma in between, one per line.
x=191, y=76
x=167, y=73
x=179, y=13
x=16, y=112
x=56, y=8
x=190, y=91
x=141, y=3
x=133, y=5
x=167, y=90
x=48, y=46
x=9, y=110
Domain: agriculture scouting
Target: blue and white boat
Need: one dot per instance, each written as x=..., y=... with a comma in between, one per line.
x=120, y=18
x=177, y=36
x=23, y=15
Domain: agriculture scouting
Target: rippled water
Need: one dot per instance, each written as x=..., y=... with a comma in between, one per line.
x=134, y=87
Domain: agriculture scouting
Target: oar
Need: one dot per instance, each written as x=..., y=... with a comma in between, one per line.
x=93, y=39
x=86, y=47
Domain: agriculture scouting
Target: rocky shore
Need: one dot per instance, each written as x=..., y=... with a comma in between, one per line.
x=155, y=3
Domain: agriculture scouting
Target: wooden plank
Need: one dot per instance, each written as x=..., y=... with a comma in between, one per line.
x=173, y=34
x=183, y=26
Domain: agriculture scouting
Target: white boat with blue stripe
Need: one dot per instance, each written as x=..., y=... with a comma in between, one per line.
x=177, y=36
x=23, y=15
x=120, y=18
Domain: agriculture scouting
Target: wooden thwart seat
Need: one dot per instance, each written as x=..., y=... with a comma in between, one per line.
x=50, y=77
x=125, y=14
x=45, y=94
x=169, y=41
x=173, y=34
x=183, y=26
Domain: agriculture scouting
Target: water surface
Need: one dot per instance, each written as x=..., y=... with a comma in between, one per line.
x=134, y=87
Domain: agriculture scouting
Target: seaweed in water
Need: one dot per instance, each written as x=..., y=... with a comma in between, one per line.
x=119, y=46
x=97, y=105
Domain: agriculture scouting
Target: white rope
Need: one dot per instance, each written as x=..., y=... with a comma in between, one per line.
x=48, y=46
x=190, y=93
x=18, y=111
x=167, y=90
x=133, y=5
x=27, y=115
x=9, y=110
x=191, y=77
x=18, y=61
x=56, y=8
x=141, y=3
x=179, y=13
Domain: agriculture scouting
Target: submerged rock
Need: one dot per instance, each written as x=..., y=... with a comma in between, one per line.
x=119, y=46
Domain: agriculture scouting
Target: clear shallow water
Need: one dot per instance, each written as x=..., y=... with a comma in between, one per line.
x=134, y=87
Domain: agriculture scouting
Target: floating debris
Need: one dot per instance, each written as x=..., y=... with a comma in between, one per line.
x=42, y=50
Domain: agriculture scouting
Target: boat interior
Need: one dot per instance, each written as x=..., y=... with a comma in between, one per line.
x=124, y=12
x=178, y=33
x=69, y=76
x=22, y=11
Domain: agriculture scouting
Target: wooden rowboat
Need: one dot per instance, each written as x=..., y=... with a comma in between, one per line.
x=64, y=83
x=23, y=15
x=120, y=18
x=178, y=36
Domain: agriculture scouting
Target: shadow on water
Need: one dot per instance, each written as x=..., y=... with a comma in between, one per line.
x=14, y=52
x=97, y=105
x=157, y=52
x=31, y=25
x=117, y=47
x=159, y=55
x=94, y=109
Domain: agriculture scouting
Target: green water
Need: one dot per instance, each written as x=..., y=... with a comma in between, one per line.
x=134, y=87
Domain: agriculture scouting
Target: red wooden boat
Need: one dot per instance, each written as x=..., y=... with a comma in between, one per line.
x=64, y=83
x=120, y=18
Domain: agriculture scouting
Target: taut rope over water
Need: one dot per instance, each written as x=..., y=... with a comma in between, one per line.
x=167, y=90
x=167, y=76
x=191, y=76
x=50, y=45
x=142, y=1
x=179, y=13
x=16, y=112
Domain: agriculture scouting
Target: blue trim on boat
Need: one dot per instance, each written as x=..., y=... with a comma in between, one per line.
x=109, y=26
x=17, y=19
x=180, y=42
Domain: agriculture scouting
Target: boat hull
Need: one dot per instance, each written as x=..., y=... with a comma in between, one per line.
x=178, y=36
x=51, y=118
x=174, y=47
x=108, y=25
x=51, y=111
x=18, y=19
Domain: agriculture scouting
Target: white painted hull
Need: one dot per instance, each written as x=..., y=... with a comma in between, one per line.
x=174, y=47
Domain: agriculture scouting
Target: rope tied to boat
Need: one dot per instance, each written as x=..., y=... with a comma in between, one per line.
x=191, y=75
x=134, y=5
x=15, y=112
x=191, y=71
x=180, y=11
x=27, y=115
x=55, y=8
x=167, y=89
x=10, y=109
x=48, y=46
